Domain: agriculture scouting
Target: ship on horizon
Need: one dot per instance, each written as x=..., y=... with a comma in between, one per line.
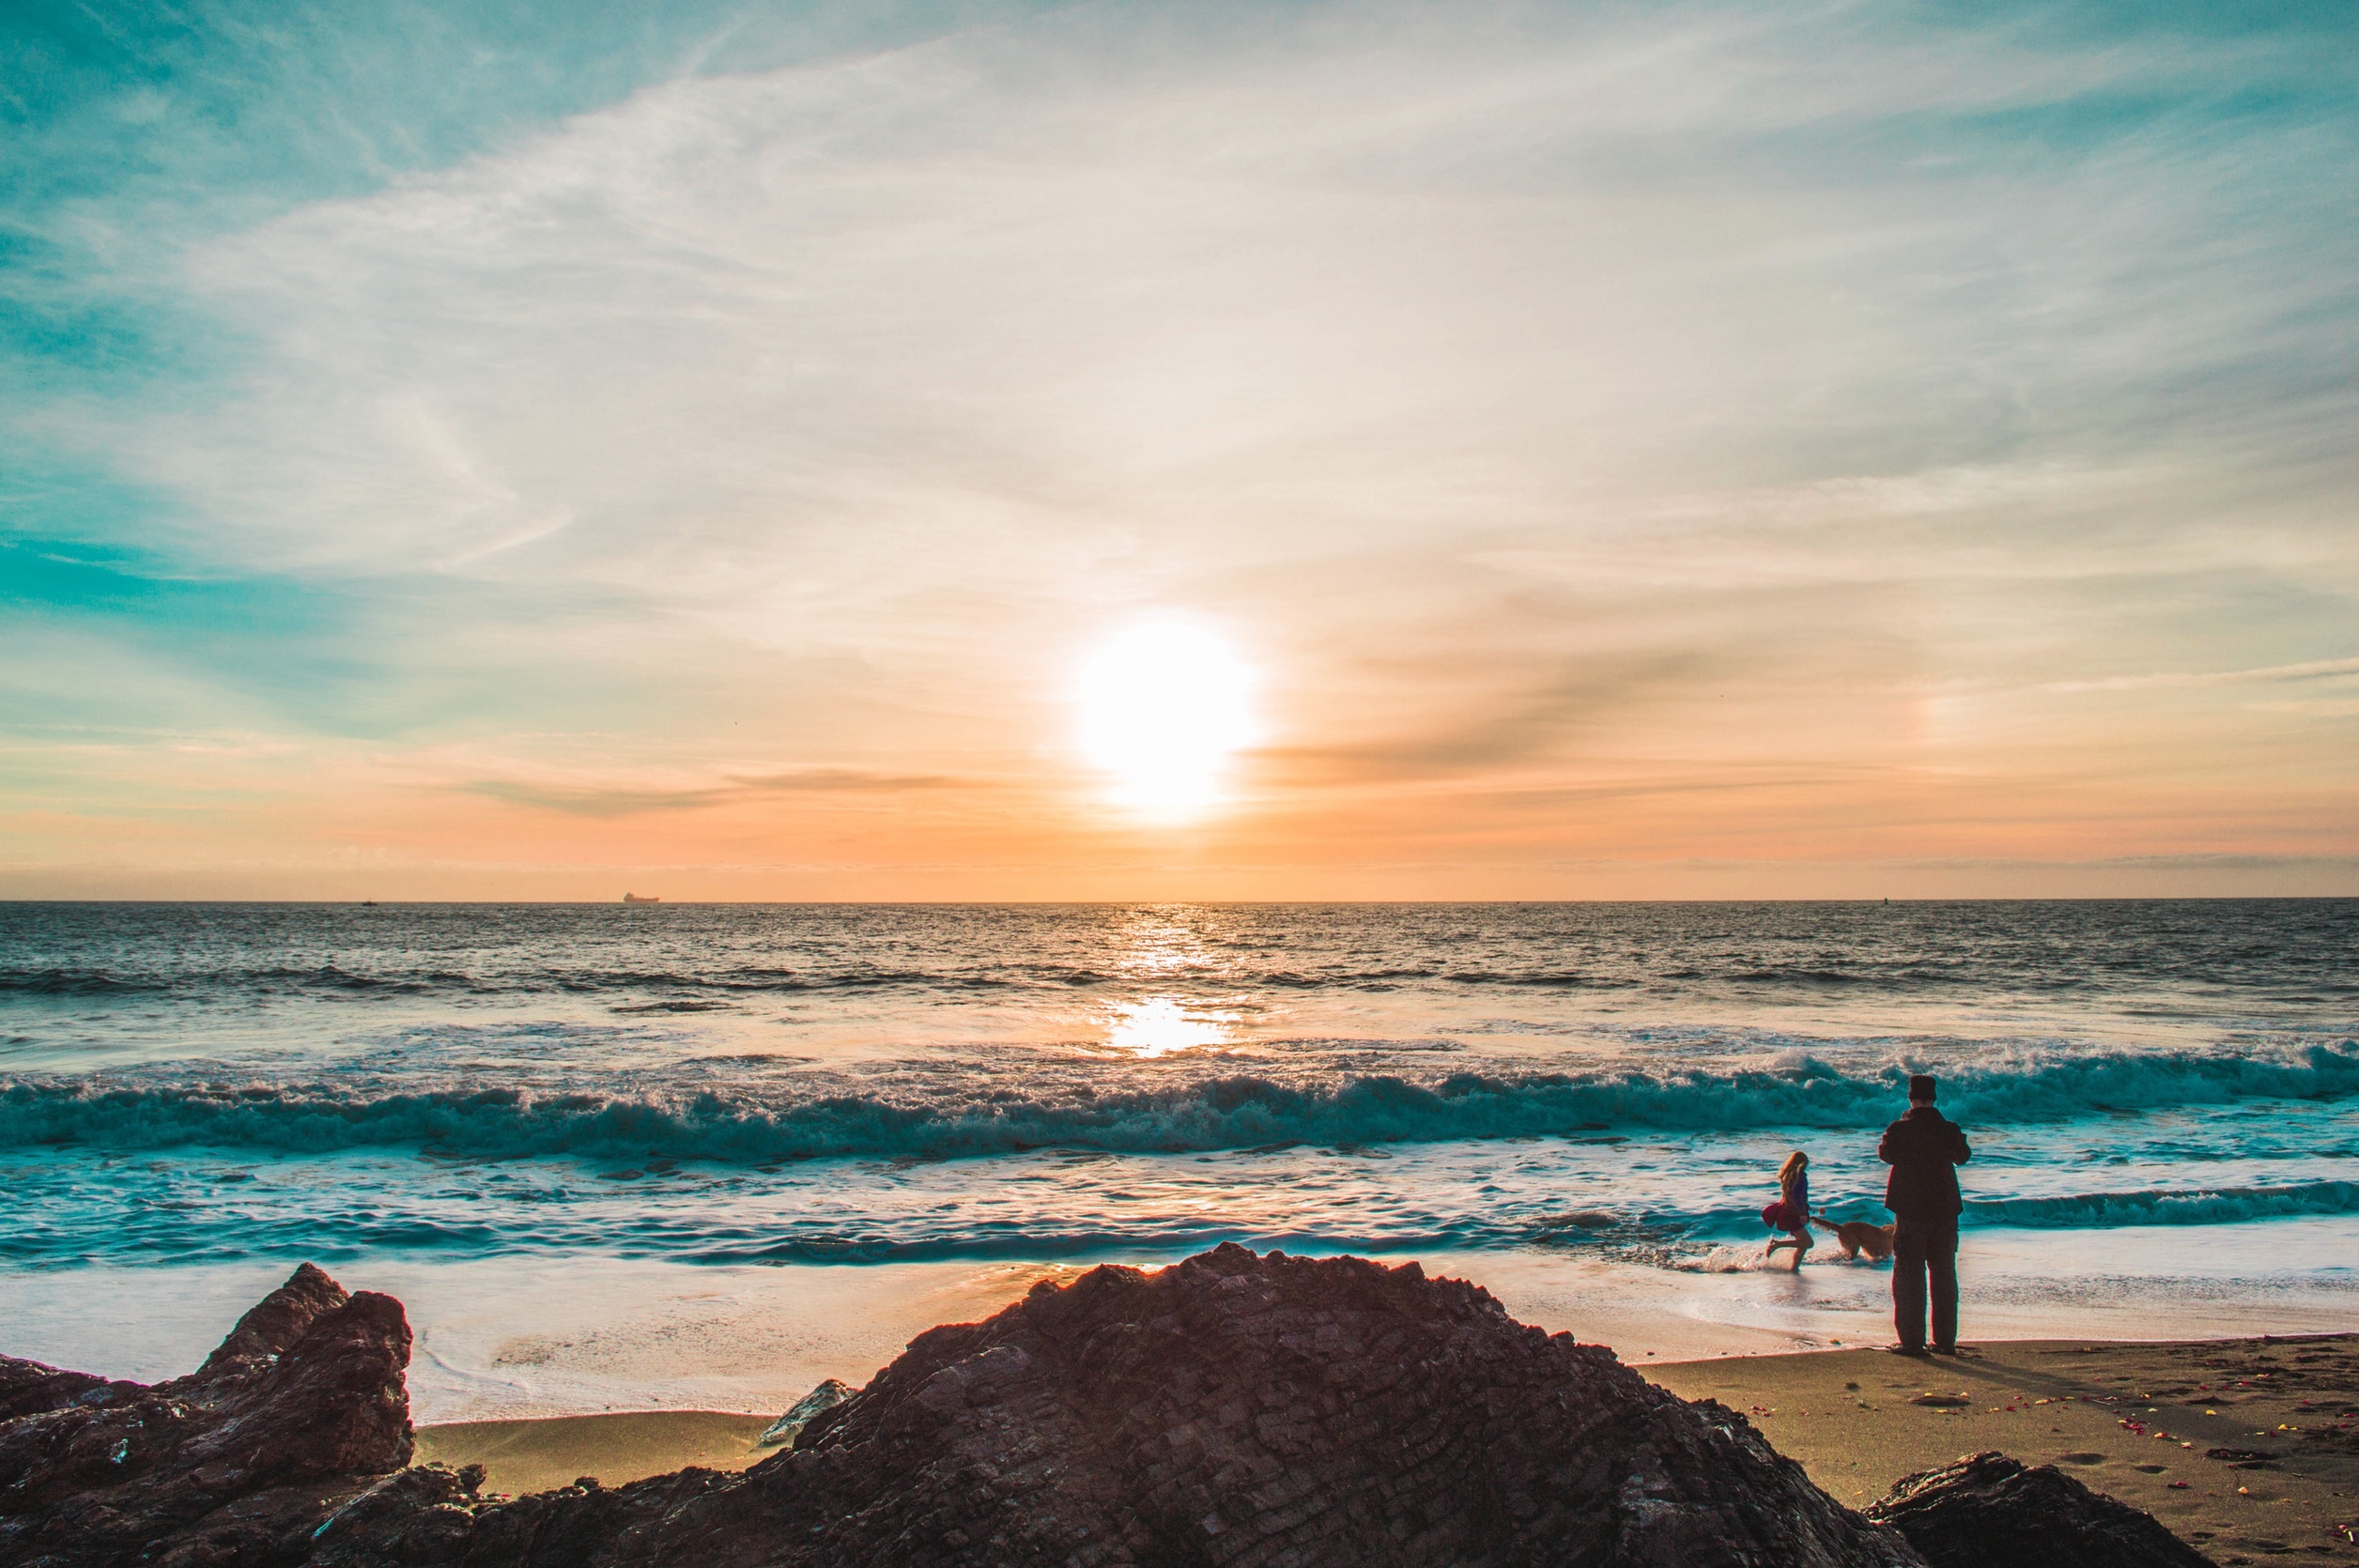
x=638, y=899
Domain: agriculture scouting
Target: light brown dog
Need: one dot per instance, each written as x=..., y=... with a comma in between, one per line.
x=1857, y=1236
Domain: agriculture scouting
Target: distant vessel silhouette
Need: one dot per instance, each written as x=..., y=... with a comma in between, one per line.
x=635, y=899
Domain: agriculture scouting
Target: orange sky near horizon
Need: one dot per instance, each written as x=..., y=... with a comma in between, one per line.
x=1728, y=796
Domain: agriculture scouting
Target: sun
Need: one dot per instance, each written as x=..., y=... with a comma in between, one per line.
x=1164, y=706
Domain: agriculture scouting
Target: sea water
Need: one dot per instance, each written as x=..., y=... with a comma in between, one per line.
x=1589, y=1099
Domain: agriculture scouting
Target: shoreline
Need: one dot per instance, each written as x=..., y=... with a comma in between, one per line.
x=524, y=1337
x=2244, y=1440
x=2135, y=1419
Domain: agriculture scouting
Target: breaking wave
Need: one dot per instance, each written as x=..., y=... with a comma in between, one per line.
x=2199, y=1207
x=751, y=1123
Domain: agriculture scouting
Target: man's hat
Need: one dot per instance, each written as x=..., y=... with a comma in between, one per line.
x=1921, y=1086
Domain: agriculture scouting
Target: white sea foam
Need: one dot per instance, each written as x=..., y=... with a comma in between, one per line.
x=502, y=1338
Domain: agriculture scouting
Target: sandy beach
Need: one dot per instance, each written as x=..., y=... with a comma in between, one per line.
x=2140, y=1422
x=2150, y=1424
x=520, y=1456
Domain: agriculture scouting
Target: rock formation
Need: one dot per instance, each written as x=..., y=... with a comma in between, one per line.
x=1991, y=1509
x=1228, y=1411
x=829, y=1394
x=237, y=1463
x=1231, y=1409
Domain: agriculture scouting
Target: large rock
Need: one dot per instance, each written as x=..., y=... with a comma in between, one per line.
x=1990, y=1509
x=237, y=1463
x=1228, y=1411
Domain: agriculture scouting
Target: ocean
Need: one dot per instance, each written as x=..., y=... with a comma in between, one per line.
x=1593, y=1097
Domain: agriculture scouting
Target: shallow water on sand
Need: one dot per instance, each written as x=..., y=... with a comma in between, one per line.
x=2151, y=1087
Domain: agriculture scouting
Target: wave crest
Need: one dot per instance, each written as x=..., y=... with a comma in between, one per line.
x=2162, y=1207
x=1236, y=1111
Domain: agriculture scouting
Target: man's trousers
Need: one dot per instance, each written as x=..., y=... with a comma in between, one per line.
x=1925, y=1253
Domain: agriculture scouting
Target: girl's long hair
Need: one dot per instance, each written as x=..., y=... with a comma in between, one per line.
x=1793, y=1167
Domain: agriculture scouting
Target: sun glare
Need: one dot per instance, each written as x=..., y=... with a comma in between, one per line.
x=1166, y=705
x=1160, y=1025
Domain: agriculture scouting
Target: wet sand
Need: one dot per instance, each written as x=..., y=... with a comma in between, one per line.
x=539, y=1455
x=2142, y=1421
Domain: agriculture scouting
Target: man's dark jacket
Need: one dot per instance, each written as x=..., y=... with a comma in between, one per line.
x=1924, y=1149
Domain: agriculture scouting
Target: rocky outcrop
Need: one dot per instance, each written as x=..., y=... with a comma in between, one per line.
x=1232, y=1409
x=1229, y=1411
x=237, y=1463
x=29, y=1387
x=829, y=1394
x=1990, y=1509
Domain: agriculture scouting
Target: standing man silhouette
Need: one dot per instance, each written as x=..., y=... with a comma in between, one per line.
x=1924, y=1149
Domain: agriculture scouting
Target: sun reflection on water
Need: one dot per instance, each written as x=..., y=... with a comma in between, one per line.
x=1161, y=1025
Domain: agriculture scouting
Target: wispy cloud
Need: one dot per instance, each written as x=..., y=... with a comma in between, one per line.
x=1510, y=729
x=622, y=801
x=1536, y=392
x=2312, y=669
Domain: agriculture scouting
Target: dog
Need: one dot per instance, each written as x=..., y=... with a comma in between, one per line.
x=1857, y=1236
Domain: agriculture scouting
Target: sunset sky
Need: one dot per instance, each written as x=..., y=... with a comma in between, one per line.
x=486, y=449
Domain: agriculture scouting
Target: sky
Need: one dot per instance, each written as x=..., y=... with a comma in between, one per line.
x=495, y=450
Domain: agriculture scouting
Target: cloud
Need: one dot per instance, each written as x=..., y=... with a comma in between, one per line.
x=1512, y=381
x=622, y=801
x=2309, y=670
x=1521, y=729
x=1035, y=291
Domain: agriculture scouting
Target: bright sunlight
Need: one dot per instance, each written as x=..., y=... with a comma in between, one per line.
x=1165, y=704
x=1160, y=1025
